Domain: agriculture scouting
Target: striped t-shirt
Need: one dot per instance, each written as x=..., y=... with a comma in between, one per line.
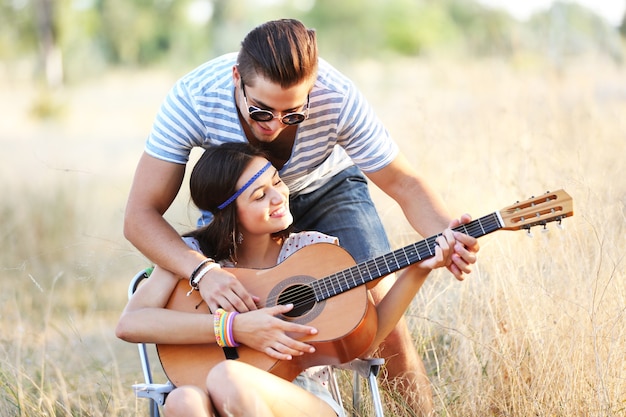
x=342, y=129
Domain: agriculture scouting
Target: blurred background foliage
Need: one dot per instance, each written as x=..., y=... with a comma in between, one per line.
x=66, y=41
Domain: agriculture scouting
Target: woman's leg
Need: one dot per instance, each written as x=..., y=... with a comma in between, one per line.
x=187, y=401
x=238, y=389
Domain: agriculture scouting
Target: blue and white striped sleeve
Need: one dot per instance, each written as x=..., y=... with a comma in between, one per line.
x=363, y=135
x=177, y=127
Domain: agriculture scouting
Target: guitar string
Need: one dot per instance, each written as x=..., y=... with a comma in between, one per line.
x=424, y=246
x=406, y=253
x=476, y=228
x=338, y=285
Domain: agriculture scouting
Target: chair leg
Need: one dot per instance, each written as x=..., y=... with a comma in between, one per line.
x=367, y=369
x=154, y=409
x=333, y=386
x=356, y=394
x=376, y=401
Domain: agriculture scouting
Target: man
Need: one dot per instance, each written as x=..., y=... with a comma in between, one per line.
x=322, y=135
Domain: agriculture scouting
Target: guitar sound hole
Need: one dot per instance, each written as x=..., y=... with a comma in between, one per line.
x=301, y=296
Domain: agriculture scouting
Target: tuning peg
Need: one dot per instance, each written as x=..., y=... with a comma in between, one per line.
x=545, y=229
x=559, y=224
x=528, y=232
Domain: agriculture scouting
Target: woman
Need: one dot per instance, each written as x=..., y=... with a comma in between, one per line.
x=250, y=229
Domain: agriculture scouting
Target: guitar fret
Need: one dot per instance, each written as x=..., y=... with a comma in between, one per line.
x=335, y=282
x=384, y=258
x=481, y=226
x=418, y=256
x=377, y=268
x=424, y=248
x=326, y=288
x=317, y=290
x=428, y=246
x=339, y=288
x=408, y=262
x=395, y=258
x=353, y=280
x=351, y=271
x=363, y=269
x=346, y=282
x=342, y=276
x=370, y=264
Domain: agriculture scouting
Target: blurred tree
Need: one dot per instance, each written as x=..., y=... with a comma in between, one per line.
x=485, y=31
x=136, y=32
x=622, y=26
x=411, y=28
x=569, y=29
x=50, y=55
x=350, y=27
x=17, y=35
x=69, y=39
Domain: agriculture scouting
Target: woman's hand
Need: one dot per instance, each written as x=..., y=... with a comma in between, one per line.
x=263, y=331
x=443, y=252
x=465, y=249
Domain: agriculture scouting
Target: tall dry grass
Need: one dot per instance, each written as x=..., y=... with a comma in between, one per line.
x=537, y=329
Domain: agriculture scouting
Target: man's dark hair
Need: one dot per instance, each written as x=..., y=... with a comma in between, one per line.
x=282, y=51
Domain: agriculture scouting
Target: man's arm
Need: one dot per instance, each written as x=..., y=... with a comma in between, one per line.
x=422, y=207
x=154, y=188
x=425, y=210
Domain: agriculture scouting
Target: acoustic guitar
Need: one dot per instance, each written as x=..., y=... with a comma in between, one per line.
x=329, y=291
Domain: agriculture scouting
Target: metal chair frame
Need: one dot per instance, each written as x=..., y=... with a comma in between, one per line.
x=367, y=369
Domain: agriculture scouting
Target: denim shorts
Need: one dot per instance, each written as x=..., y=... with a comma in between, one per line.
x=342, y=208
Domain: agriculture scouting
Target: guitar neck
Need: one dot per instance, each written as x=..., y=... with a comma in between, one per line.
x=373, y=269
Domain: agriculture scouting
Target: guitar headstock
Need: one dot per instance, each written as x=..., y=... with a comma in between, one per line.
x=549, y=207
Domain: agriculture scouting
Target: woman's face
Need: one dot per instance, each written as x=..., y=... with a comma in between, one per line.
x=263, y=207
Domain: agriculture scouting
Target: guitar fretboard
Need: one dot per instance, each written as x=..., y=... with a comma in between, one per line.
x=368, y=271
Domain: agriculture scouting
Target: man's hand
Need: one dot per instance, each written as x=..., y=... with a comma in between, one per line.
x=465, y=249
x=220, y=288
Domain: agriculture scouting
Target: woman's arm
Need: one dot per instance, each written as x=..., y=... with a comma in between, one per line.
x=146, y=320
x=408, y=282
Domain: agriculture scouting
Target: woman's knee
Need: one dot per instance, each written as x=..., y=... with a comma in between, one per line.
x=186, y=401
x=227, y=378
x=221, y=373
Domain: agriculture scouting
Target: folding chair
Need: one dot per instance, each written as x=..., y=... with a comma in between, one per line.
x=367, y=369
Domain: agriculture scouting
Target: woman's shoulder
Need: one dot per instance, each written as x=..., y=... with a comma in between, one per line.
x=297, y=241
x=305, y=238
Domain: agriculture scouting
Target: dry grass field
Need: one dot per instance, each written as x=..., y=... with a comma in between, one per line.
x=538, y=329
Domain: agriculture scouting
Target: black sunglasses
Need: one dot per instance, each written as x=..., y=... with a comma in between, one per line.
x=261, y=115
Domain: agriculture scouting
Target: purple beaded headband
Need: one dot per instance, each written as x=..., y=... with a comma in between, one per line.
x=242, y=189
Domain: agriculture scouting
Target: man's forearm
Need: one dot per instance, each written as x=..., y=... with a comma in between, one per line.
x=160, y=242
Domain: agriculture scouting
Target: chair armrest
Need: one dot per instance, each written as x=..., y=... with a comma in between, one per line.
x=364, y=367
x=156, y=392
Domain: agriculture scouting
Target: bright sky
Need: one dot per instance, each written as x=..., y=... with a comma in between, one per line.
x=611, y=10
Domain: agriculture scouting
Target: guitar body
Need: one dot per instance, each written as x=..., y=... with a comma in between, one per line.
x=346, y=322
